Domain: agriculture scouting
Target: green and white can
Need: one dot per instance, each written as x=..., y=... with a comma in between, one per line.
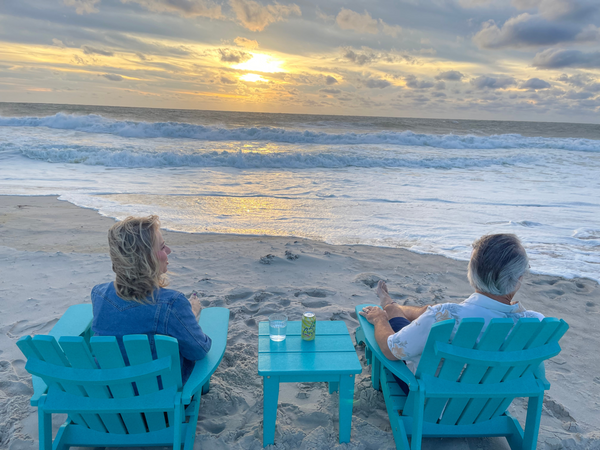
x=309, y=326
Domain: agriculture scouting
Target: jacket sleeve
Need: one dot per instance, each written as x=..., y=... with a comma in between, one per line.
x=182, y=325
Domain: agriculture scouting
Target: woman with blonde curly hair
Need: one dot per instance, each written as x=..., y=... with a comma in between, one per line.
x=137, y=301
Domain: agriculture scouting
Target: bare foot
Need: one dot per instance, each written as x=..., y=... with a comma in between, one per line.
x=382, y=293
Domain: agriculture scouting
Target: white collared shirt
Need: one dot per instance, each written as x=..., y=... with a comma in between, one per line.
x=408, y=343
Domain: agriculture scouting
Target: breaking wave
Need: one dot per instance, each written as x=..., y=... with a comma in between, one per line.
x=93, y=123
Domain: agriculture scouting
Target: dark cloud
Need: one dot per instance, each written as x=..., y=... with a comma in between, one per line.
x=440, y=85
x=438, y=95
x=559, y=58
x=578, y=80
x=331, y=91
x=376, y=83
x=246, y=43
x=113, y=77
x=234, y=56
x=96, y=51
x=413, y=83
x=450, y=75
x=360, y=58
x=484, y=82
x=528, y=30
x=535, y=83
x=581, y=95
x=329, y=80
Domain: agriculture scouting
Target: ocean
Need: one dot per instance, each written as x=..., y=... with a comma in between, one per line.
x=427, y=185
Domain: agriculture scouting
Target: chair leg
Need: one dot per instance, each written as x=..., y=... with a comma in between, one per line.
x=346, y=402
x=177, y=421
x=206, y=387
x=333, y=387
x=532, y=423
x=417, y=428
x=376, y=373
x=191, y=426
x=271, y=396
x=515, y=439
x=44, y=426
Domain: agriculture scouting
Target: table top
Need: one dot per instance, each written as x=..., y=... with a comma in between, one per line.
x=332, y=351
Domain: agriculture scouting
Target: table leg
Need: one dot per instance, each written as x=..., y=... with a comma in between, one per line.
x=346, y=403
x=271, y=396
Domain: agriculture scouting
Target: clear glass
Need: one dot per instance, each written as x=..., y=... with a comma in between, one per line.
x=277, y=327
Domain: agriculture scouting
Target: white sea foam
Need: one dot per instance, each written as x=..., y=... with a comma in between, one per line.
x=93, y=123
x=117, y=157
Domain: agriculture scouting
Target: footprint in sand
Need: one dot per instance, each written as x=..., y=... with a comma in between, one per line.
x=237, y=294
x=318, y=293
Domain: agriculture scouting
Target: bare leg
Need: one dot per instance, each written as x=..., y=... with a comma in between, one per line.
x=394, y=310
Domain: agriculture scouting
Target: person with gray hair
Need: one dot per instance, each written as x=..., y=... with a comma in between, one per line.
x=498, y=263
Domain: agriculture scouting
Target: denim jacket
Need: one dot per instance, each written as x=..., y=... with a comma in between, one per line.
x=170, y=314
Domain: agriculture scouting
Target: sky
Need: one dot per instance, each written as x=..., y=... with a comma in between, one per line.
x=536, y=60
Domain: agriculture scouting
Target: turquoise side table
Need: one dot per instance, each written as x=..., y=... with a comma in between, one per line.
x=330, y=358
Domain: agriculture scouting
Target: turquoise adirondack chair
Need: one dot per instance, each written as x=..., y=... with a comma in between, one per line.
x=476, y=382
x=103, y=409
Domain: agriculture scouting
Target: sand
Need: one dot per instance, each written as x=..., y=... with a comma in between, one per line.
x=52, y=254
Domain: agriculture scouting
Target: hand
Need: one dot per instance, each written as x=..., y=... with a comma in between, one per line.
x=196, y=305
x=374, y=314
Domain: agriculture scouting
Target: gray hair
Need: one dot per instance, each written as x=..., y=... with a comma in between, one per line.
x=497, y=264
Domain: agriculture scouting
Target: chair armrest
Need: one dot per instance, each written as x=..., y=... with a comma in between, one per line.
x=397, y=367
x=215, y=324
x=76, y=321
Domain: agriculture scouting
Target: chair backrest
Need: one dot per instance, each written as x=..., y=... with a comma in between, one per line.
x=92, y=384
x=483, y=376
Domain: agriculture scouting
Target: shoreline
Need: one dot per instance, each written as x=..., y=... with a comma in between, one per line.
x=197, y=237
x=52, y=253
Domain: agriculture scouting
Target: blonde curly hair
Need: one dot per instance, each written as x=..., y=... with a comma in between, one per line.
x=131, y=243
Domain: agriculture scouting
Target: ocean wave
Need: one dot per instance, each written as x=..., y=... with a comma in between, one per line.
x=116, y=157
x=93, y=123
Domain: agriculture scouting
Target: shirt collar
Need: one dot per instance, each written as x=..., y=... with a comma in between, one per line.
x=489, y=303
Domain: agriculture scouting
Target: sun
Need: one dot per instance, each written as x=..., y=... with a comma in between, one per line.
x=252, y=77
x=261, y=63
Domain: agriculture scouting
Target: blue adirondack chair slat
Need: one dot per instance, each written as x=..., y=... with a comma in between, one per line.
x=113, y=404
x=463, y=386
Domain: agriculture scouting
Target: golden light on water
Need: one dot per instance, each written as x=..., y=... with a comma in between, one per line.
x=252, y=77
x=261, y=63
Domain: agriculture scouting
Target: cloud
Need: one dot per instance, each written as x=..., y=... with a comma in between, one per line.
x=484, y=82
x=95, y=51
x=559, y=58
x=185, y=8
x=535, y=83
x=331, y=91
x=361, y=23
x=364, y=23
x=578, y=80
x=58, y=43
x=113, y=77
x=376, y=83
x=528, y=30
x=413, y=83
x=246, y=43
x=225, y=80
x=325, y=17
x=390, y=30
x=255, y=17
x=438, y=94
x=233, y=56
x=329, y=80
x=440, y=85
x=83, y=6
x=360, y=58
x=560, y=9
x=450, y=75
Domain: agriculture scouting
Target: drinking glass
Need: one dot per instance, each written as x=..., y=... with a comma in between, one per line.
x=277, y=327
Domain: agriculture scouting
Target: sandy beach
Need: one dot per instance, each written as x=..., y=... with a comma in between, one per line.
x=52, y=253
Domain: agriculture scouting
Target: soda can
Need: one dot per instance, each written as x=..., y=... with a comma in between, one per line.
x=309, y=326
